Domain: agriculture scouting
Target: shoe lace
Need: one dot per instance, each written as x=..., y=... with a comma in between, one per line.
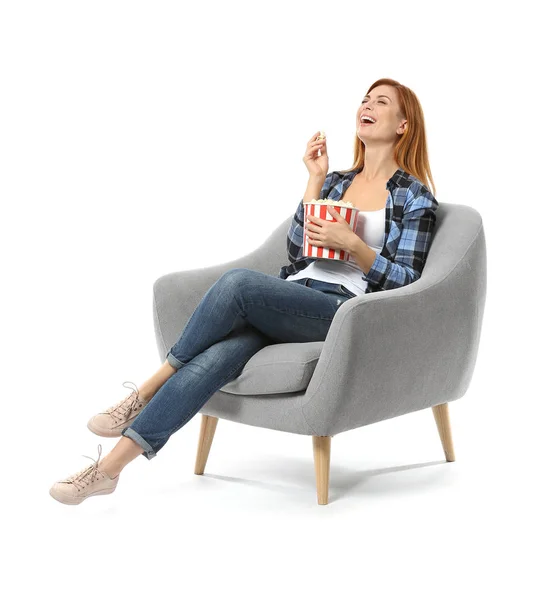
x=88, y=474
x=122, y=410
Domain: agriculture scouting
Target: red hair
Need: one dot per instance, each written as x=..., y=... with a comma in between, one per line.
x=410, y=152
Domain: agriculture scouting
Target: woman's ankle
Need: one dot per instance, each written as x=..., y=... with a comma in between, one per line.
x=152, y=385
x=146, y=394
x=110, y=470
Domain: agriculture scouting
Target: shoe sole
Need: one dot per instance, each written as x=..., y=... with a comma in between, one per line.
x=70, y=500
x=109, y=433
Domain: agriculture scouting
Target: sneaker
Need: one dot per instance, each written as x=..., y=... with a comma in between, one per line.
x=111, y=422
x=91, y=481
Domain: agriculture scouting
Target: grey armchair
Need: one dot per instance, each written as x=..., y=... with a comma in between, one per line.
x=386, y=354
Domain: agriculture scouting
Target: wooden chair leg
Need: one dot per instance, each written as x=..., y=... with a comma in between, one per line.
x=207, y=430
x=321, y=446
x=441, y=415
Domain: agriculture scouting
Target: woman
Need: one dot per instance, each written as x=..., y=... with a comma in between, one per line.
x=246, y=310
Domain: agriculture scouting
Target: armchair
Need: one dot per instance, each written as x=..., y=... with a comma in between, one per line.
x=387, y=353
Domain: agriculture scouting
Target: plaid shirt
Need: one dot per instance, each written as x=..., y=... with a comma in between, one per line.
x=409, y=223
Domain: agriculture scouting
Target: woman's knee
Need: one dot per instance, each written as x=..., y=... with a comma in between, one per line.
x=246, y=284
x=237, y=278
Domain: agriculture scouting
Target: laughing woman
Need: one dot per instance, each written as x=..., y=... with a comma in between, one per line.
x=245, y=310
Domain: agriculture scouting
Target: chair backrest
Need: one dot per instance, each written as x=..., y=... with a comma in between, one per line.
x=458, y=252
x=455, y=270
x=458, y=248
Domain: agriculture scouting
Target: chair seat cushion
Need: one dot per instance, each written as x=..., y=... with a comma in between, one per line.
x=277, y=369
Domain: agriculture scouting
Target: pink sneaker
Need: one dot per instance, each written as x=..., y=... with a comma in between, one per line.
x=87, y=482
x=111, y=422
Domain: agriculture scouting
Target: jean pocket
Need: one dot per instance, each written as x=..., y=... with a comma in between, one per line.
x=344, y=290
x=300, y=281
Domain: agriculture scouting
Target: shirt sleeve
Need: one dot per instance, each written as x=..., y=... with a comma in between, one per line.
x=296, y=230
x=418, y=225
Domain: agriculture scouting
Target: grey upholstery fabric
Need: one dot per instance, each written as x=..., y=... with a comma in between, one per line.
x=277, y=369
x=386, y=354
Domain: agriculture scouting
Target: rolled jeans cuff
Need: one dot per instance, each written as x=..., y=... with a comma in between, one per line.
x=149, y=451
x=174, y=362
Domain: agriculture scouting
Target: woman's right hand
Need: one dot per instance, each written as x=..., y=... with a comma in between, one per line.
x=317, y=165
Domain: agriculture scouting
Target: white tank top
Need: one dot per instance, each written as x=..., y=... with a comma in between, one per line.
x=370, y=228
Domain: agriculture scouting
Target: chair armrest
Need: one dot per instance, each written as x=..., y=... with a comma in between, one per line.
x=177, y=294
x=396, y=351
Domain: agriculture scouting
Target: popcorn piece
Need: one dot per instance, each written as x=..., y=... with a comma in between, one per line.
x=322, y=135
x=331, y=202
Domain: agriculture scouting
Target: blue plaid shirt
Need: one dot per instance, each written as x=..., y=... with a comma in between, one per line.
x=409, y=223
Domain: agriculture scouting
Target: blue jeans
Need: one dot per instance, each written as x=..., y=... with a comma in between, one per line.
x=240, y=313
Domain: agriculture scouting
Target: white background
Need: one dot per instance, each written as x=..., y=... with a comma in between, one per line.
x=142, y=138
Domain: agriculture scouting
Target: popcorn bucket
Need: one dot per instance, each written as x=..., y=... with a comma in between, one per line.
x=318, y=208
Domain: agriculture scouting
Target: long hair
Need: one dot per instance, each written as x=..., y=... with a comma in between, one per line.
x=410, y=152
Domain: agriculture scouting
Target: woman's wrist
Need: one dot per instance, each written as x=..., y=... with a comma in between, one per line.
x=313, y=188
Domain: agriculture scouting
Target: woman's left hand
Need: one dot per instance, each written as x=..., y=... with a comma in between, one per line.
x=336, y=235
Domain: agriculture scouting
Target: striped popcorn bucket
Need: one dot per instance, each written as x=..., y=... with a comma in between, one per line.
x=320, y=210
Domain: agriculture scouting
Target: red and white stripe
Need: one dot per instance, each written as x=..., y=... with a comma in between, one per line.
x=321, y=211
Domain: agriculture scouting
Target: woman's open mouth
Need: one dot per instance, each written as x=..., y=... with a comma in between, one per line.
x=366, y=120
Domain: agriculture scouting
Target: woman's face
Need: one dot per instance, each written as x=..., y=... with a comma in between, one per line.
x=380, y=104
